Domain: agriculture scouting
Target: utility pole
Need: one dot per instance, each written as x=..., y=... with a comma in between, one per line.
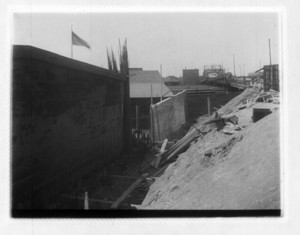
x=243, y=70
x=270, y=70
x=233, y=65
x=208, y=105
x=151, y=95
x=240, y=70
x=151, y=116
x=71, y=41
x=270, y=51
x=137, y=117
x=161, y=83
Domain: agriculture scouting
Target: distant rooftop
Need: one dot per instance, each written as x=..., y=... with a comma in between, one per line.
x=192, y=70
x=144, y=76
x=134, y=69
x=141, y=90
x=140, y=84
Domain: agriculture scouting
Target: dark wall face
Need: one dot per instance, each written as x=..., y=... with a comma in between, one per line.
x=197, y=104
x=66, y=123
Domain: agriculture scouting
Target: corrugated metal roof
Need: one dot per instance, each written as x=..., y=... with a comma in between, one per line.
x=140, y=84
x=144, y=76
x=143, y=90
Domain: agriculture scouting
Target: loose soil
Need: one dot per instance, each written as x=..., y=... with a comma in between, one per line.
x=219, y=171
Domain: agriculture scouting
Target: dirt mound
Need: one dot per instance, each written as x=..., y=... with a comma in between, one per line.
x=232, y=107
x=247, y=94
x=239, y=171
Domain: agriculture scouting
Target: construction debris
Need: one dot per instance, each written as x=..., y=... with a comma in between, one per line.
x=180, y=146
x=133, y=186
x=158, y=156
x=263, y=109
x=227, y=121
x=230, y=128
x=202, y=176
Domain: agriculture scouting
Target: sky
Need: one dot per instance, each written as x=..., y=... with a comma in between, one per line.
x=174, y=40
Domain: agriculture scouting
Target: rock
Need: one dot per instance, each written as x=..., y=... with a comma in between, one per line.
x=209, y=153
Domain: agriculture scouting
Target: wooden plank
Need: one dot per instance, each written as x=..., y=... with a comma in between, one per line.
x=151, y=121
x=91, y=200
x=162, y=150
x=132, y=187
x=163, y=147
x=160, y=142
x=117, y=176
x=181, y=147
x=160, y=171
x=135, y=206
x=178, y=144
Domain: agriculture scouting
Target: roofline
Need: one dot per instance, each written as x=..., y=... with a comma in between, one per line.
x=140, y=71
x=189, y=69
x=24, y=51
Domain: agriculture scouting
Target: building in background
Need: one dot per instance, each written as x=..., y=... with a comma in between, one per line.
x=146, y=87
x=190, y=76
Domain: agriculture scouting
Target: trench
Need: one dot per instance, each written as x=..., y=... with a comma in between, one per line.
x=105, y=186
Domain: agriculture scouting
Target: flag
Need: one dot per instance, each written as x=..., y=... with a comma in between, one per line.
x=78, y=41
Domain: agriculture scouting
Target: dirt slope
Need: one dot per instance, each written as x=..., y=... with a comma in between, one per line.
x=241, y=171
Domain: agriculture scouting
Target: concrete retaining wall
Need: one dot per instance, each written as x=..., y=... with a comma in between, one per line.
x=168, y=116
x=67, y=122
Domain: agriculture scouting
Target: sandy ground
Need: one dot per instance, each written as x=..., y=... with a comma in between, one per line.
x=239, y=171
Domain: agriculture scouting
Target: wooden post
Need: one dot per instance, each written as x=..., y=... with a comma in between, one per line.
x=151, y=116
x=86, y=201
x=136, y=117
x=240, y=70
x=161, y=83
x=162, y=150
x=270, y=51
x=71, y=41
x=163, y=147
x=208, y=105
x=157, y=123
x=151, y=123
x=234, y=65
x=151, y=95
x=270, y=71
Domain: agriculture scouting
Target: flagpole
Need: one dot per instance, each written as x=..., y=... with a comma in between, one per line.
x=71, y=41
